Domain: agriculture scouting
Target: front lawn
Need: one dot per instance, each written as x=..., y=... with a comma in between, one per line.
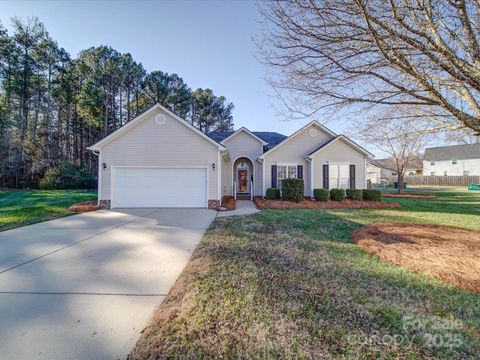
x=292, y=284
x=20, y=208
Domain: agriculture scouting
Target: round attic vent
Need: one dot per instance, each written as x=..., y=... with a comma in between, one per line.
x=313, y=132
x=160, y=119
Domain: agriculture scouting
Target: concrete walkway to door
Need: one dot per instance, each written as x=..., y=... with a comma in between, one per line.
x=83, y=287
x=243, y=207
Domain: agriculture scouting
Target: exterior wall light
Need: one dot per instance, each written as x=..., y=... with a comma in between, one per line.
x=213, y=166
x=104, y=166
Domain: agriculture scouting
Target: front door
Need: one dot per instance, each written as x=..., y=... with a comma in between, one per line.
x=242, y=181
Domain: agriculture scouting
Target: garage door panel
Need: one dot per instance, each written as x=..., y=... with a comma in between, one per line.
x=159, y=187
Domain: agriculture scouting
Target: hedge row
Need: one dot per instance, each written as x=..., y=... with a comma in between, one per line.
x=293, y=190
x=352, y=194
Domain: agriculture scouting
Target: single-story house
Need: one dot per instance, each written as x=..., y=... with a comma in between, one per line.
x=458, y=160
x=160, y=160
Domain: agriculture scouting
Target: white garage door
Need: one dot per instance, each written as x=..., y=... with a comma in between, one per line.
x=159, y=187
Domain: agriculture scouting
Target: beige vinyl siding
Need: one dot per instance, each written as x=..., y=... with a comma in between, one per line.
x=339, y=152
x=294, y=151
x=169, y=145
x=243, y=145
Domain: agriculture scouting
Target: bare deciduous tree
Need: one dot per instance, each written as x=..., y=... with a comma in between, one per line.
x=402, y=140
x=378, y=52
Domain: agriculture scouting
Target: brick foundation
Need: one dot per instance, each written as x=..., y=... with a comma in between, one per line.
x=105, y=204
x=213, y=204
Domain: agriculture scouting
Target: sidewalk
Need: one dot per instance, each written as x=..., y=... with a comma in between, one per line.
x=244, y=207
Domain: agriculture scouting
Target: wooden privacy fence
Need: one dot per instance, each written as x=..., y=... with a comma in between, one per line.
x=440, y=180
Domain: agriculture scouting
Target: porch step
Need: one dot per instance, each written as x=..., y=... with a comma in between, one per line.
x=243, y=197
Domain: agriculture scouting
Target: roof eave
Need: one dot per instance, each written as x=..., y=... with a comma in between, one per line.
x=248, y=132
x=314, y=122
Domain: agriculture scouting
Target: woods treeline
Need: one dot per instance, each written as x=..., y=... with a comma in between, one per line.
x=53, y=106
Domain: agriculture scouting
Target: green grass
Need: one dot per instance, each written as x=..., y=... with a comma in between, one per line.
x=292, y=284
x=20, y=208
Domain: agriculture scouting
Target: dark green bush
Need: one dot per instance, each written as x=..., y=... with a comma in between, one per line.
x=372, y=195
x=321, y=194
x=273, y=194
x=293, y=190
x=67, y=176
x=355, y=194
x=337, y=194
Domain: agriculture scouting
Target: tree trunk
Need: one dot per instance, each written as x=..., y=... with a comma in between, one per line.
x=400, y=182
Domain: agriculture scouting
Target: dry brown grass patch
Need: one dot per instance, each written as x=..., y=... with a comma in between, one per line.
x=447, y=253
x=409, y=196
x=84, y=207
x=264, y=204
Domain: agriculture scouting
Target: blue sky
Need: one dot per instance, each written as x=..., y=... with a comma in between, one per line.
x=208, y=43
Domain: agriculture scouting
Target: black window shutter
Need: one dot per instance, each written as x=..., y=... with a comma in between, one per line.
x=274, y=176
x=352, y=176
x=300, y=171
x=325, y=176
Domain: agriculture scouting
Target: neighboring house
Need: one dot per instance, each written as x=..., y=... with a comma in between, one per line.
x=374, y=173
x=459, y=160
x=385, y=169
x=160, y=160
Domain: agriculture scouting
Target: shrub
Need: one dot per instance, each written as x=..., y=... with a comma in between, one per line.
x=273, y=194
x=372, y=195
x=355, y=194
x=337, y=194
x=321, y=194
x=293, y=190
x=67, y=176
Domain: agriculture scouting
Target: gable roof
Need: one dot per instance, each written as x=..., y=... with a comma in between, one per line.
x=269, y=137
x=469, y=151
x=244, y=129
x=314, y=122
x=335, y=139
x=97, y=146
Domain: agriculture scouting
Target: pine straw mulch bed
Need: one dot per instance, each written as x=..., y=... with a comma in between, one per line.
x=409, y=196
x=85, y=206
x=264, y=204
x=228, y=202
x=449, y=254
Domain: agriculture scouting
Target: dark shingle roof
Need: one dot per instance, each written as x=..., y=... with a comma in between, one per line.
x=271, y=138
x=469, y=151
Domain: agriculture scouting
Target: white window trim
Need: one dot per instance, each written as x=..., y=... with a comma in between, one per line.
x=287, y=165
x=348, y=178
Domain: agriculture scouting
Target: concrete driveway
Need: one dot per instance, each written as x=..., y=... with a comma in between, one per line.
x=83, y=287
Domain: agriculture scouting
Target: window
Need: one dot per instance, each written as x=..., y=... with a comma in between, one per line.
x=454, y=161
x=465, y=173
x=445, y=173
x=338, y=176
x=432, y=173
x=432, y=163
x=285, y=172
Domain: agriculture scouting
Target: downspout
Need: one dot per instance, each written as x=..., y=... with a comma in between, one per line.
x=99, y=172
x=310, y=160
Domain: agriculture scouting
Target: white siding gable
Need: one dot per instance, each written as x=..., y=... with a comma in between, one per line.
x=243, y=144
x=294, y=150
x=171, y=144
